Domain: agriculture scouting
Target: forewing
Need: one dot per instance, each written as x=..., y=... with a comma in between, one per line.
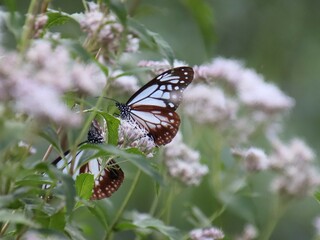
x=107, y=179
x=161, y=123
x=165, y=90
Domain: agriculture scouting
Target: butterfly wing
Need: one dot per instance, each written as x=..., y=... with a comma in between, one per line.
x=165, y=90
x=161, y=123
x=108, y=179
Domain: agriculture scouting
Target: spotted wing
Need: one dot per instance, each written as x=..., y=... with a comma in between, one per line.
x=161, y=123
x=107, y=179
x=165, y=90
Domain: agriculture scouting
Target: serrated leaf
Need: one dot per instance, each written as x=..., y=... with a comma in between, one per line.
x=84, y=185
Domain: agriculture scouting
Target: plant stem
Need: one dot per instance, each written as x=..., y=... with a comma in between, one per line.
x=28, y=26
x=277, y=211
x=122, y=207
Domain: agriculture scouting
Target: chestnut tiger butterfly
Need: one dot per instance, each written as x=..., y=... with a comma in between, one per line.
x=153, y=106
x=108, y=176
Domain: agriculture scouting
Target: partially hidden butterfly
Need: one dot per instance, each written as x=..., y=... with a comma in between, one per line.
x=153, y=106
x=108, y=176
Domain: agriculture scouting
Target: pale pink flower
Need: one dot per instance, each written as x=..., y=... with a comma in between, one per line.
x=183, y=163
x=297, y=177
x=105, y=28
x=124, y=83
x=37, y=83
x=158, y=67
x=44, y=102
x=40, y=22
x=251, y=88
x=131, y=135
x=208, y=105
x=211, y=233
x=255, y=159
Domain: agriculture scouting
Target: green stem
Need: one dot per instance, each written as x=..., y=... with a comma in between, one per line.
x=122, y=207
x=28, y=26
x=277, y=211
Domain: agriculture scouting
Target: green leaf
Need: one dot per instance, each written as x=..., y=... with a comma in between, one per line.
x=317, y=196
x=151, y=39
x=57, y=221
x=203, y=15
x=84, y=185
x=74, y=232
x=113, y=125
x=57, y=18
x=51, y=136
x=76, y=49
x=143, y=222
x=120, y=10
x=134, y=156
x=16, y=217
x=67, y=188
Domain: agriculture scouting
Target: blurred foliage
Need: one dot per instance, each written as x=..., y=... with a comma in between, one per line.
x=277, y=38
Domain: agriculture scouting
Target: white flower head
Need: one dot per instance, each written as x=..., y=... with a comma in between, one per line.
x=124, y=83
x=183, y=163
x=208, y=105
x=211, y=233
x=255, y=159
x=132, y=135
x=297, y=176
x=158, y=67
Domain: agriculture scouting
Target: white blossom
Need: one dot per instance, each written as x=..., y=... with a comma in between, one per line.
x=255, y=159
x=208, y=105
x=124, y=83
x=296, y=174
x=158, y=67
x=211, y=233
x=251, y=88
x=132, y=135
x=37, y=83
x=183, y=163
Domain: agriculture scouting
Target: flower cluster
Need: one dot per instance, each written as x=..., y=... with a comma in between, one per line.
x=104, y=27
x=293, y=161
x=37, y=83
x=211, y=233
x=132, y=135
x=123, y=84
x=255, y=158
x=158, y=67
x=183, y=163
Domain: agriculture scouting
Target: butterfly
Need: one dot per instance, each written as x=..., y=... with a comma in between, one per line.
x=108, y=176
x=153, y=106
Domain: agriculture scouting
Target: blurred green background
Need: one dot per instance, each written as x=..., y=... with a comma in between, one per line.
x=279, y=39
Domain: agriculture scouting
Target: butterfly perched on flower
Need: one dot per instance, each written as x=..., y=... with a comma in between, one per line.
x=153, y=106
x=108, y=176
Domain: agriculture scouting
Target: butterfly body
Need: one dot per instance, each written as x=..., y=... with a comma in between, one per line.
x=153, y=106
